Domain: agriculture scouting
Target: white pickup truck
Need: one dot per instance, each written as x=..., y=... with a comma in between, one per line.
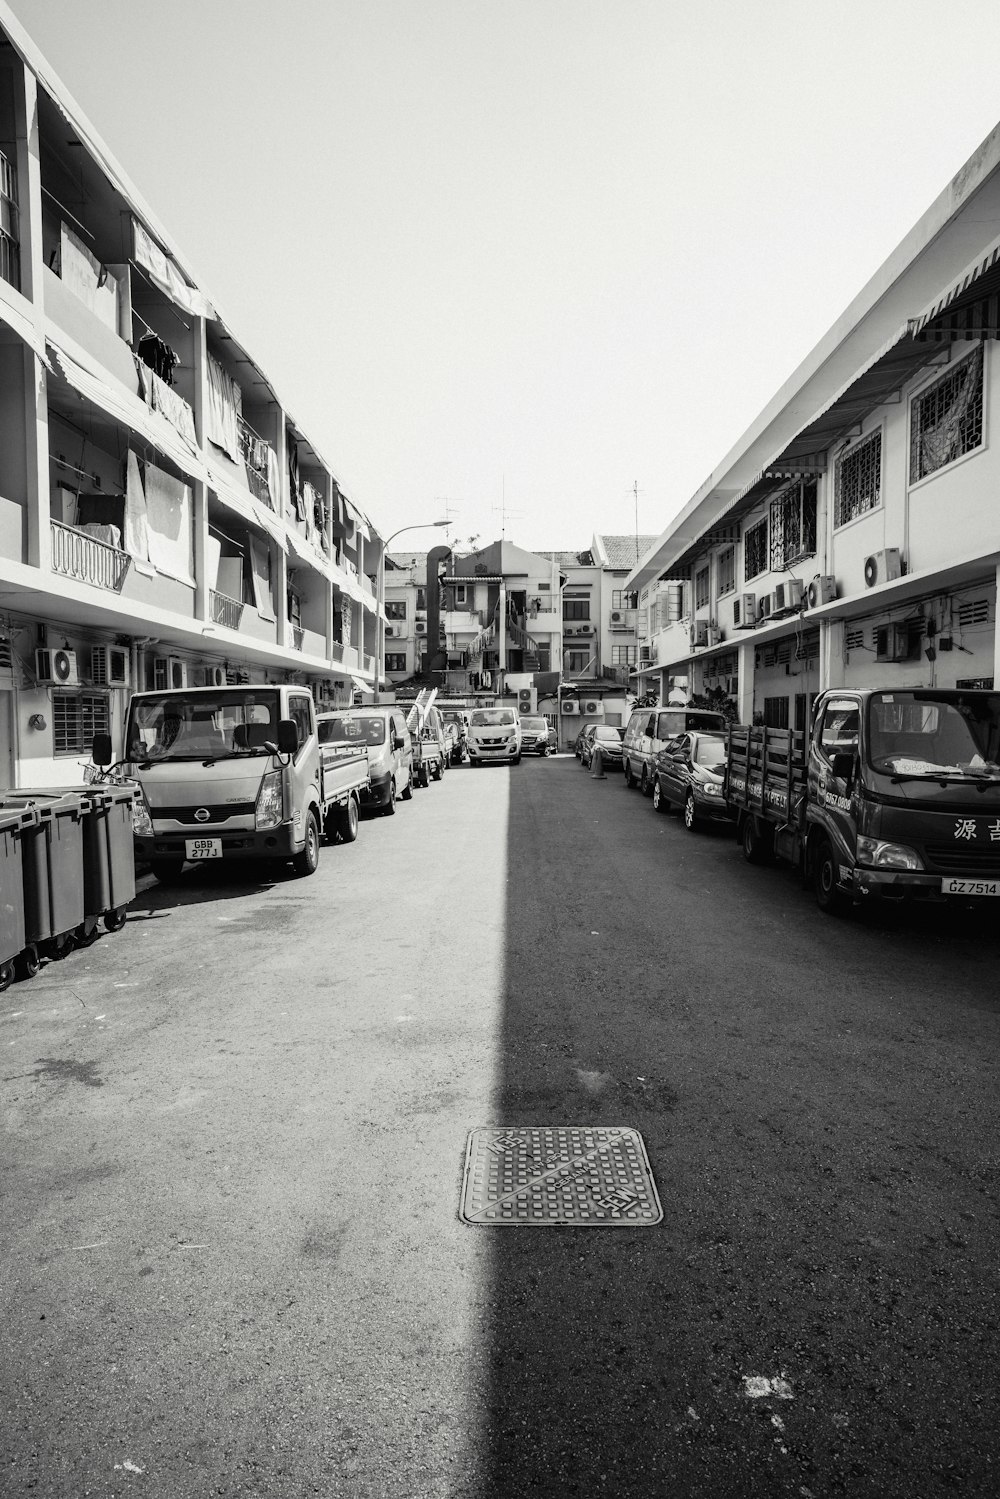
x=235, y=773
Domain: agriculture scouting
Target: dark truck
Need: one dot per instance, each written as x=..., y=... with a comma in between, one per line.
x=892, y=794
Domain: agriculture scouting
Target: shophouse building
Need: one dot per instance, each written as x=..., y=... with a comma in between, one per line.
x=164, y=519
x=852, y=535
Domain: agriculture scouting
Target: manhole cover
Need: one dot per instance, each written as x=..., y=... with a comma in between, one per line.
x=594, y=1177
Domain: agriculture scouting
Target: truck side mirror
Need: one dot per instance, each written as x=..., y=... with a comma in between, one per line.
x=288, y=737
x=101, y=752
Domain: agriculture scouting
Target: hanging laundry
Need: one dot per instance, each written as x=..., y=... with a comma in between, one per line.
x=159, y=356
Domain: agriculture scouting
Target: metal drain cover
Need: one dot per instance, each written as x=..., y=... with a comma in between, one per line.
x=589, y=1177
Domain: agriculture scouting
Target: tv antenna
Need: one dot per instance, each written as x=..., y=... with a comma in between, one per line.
x=503, y=511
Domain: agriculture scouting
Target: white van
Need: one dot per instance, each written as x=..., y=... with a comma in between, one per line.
x=494, y=734
x=649, y=729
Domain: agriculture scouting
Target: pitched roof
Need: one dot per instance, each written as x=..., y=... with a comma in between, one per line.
x=625, y=551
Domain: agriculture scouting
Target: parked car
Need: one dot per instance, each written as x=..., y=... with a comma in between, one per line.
x=534, y=736
x=650, y=729
x=553, y=739
x=689, y=774
x=610, y=740
x=578, y=742
x=384, y=733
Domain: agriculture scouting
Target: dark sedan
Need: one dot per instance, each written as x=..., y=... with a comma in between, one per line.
x=610, y=741
x=688, y=773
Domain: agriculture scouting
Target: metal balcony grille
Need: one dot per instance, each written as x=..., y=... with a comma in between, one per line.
x=859, y=480
x=226, y=611
x=76, y=555
x=755, y=550
x=793, y=524
x=946, y=420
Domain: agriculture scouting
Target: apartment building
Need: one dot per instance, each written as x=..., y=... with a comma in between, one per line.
x=852, y=536
x=164, y=520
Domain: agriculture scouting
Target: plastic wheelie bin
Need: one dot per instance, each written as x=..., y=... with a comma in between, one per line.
x=13, y=824
x=108, y=854
x=52, y=867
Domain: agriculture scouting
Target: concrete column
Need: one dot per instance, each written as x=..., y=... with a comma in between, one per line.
x=746, y=670
x=831, y=653
x=36, y=410
x=502, y=626
x=996, y=637
x=281, y=598
x=202, y=583
x=36, y=464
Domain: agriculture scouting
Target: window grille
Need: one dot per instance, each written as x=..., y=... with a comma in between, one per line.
x=727, y=570
x=858, y=486
x=946, y=420
x=854, y=640
x=793, y=524
x=776, y=712
x=623, y=655
x=974, y=614
x=755, y=550
x=701, y=590
x=76, y=718
x=616, y=598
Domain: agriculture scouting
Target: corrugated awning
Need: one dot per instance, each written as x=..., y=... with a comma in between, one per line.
x=970, y=302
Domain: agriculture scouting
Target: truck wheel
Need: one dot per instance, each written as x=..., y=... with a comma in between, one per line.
x=307, y=862
x=408, y=788
x=757, y=847
x=690, y=813
x=629, y=777
x=660, y=803
x=345, y=821
x=828, y=897
x=167, y=871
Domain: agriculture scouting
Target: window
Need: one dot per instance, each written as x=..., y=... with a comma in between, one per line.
x=395, y=608
x=395, y=661
x=576, y=608
x=776, y=712
x=858, y=481
x=76, y=718
x=576, y=661
x=616, y=598
x=755, y=550
x=839, y=731
x=727, y=570
x=793, y=524
x=623, y=655
x=946, y=420
x=421, y=598
x=10, y=234
x=300, y=712
x=461, y=589
x=701, y=591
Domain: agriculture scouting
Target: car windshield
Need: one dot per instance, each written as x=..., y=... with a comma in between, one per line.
x=709, y=751
x=347, y=728
x=201, y=725
x=491, y=718
x=534, y=725
x=606, y=732
x=916, y=734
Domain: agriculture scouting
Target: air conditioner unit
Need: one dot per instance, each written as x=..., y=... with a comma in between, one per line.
x=787, y=595
x=764, y=606
x=593, y=708
x=881, y=566
x=699, y=632
x=897, y=642
x=616, y=617
x=56, y=666
x=176, y=672
x=108, y=666
x=213, y=676
x=744, y=611
x=822, y=590
x=570, y=707
x=390, y=630
x=644, y=653
x=420, y=627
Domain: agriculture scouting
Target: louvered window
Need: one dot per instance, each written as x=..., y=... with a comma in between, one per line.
x=755, y=550
x=946, y=420
x=974, y=614
x=858, y=485
x=854, y=640
x=793, y=524
x=727, y=570
x=76, y=718
x=701, y=589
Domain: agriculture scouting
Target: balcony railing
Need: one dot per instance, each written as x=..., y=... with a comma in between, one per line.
x=77, y=555
x=226, y=611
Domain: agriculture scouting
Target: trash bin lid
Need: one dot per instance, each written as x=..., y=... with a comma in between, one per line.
x=17, y=817
x=48, y=801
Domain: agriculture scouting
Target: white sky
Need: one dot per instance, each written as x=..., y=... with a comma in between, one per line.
x=530, y=249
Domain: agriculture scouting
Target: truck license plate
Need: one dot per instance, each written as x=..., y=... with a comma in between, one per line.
x=203, y=848
x=970, y=887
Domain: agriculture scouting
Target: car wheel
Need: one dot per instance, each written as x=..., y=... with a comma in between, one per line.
x=690, y=813
x=307, y=862
x=828, y=897
x=629, y=777
x=389, y=809
x=408, y=788
x=660, y=803
x=517, y=759
x=644, y=785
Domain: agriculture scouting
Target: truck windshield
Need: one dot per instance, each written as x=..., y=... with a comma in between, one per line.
x=201, y=725
x=343, y=728
x=491, y=718
x=938, y=735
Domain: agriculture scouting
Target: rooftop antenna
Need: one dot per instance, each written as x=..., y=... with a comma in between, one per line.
x=635, y=491
x=505, y=514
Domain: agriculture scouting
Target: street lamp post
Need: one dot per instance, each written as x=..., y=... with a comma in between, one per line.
x=380, y=595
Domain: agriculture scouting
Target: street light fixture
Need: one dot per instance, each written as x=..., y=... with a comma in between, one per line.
x=426, y=525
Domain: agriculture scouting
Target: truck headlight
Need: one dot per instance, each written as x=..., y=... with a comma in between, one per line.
x=268, y=810
x=887, y=855
x=142, y=823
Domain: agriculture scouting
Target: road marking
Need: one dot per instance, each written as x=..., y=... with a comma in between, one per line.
x=758, y=1387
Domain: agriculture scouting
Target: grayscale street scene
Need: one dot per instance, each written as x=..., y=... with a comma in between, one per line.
x=497, y=948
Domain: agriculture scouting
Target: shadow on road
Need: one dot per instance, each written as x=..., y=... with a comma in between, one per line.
x=792, y=1327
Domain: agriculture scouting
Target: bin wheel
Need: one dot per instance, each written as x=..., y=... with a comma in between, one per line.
x=6, y=975
x=27, y=963
x=86, y=936
x=115, y=920
x=60, y=947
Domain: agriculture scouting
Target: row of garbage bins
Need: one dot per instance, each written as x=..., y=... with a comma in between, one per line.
x=66, y=864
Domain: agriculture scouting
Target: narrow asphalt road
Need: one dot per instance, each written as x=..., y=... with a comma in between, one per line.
x=234, y=1135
